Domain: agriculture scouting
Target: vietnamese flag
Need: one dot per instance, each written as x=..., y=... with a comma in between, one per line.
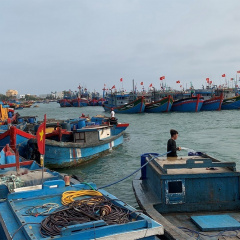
x=161, y=78
x=238, y=71
x=207, y=79
x=178, y=81
x=113, y=86
x=150, y=85
x=121, y=79
x=224, y=75
x=141, y=83
x=41, y=137
x=210, y=82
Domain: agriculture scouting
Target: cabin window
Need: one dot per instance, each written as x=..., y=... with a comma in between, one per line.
x=175, y=187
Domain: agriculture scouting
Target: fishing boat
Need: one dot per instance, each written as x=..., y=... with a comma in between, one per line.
x=194, y=197
x=16, y=172
x=163, y=105
x=57, y=211
x=231, y=103
x=65, y=147
x=212, y=104
x=124, y=103
x=65, y=102
x=190, y=104
x=79, y=102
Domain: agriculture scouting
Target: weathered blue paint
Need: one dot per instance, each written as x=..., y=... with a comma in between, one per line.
x=216, y=222
x=65, y=156
x=176, y=187
x=13, y=215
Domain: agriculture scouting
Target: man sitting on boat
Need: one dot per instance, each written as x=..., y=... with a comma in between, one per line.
x=171, y=145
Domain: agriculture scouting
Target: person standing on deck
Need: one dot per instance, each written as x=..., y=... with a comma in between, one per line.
x=112, y=114
x=171, y=145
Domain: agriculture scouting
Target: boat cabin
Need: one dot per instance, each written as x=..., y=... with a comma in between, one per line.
x=193, y=183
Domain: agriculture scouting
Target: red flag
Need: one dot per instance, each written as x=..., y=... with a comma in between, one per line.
x=141, y=83
x=232, y=79
x=178, y=81
x=210, y=82
x=238, y=71
x=161, y=78
x=41, y=137
x=113, y=86
x=180, y=85
x=121, y=79
x=207, y=79
x=224, y=75
x=150, y=85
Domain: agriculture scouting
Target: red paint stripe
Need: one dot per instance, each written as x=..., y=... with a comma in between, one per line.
x=123, y=125
x=194, y=101
x=141, y=104
x=25, y=163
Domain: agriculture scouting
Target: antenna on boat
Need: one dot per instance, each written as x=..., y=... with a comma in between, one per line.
x=133, y=86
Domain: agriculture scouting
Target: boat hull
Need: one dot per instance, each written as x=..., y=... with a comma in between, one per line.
x=213, y=104
x=231, y=103
x=193, y=104
x=65, y=103
x=61, y=155
x=137, y=106
x=79, y=103
x=163, y=105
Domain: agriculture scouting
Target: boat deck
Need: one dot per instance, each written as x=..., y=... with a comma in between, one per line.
x=183, y=221
x=192, y=165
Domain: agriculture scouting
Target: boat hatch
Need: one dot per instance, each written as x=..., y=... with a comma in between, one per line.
x=175, y=191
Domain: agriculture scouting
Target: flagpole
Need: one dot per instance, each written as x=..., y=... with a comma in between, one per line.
x=42, y=156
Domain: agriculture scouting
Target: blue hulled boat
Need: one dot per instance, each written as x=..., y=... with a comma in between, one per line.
x=163, y=105
x=66, y=148
x=124, y=103
x=191, y=104
x=65, y=103
x=193, y=197
x=48, y=213
x=212, y=104
x=79, y=102
x=231, y=103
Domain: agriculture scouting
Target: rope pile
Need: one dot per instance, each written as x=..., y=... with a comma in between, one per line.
x=82, y=211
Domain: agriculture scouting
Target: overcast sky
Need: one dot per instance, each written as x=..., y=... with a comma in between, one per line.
x=54, y=45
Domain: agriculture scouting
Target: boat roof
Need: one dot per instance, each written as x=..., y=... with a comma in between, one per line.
x=192, y=165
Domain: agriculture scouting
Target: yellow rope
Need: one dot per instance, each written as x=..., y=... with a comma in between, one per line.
x=68, y=196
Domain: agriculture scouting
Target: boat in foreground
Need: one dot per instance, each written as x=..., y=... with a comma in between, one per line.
x=65, y=148
x=72, y=213
x=163, y=105
x=192, y=197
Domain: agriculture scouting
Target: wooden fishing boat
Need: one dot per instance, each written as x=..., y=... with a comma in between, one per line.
x=231, y=103
x=121, y=104
x=65, y=103
x=47, y=213
x=193, y=196
x=66, y=148
x=79, y=102
x=191, y=104
x=163, y=105
x=212, y=104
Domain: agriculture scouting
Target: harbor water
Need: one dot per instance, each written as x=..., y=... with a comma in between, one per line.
x=215, y=133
